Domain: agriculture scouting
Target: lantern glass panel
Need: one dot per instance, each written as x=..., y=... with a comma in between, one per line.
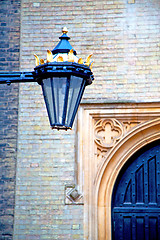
x=49, y=99
x=59, y=85
x=74, y=96
x=62, y=97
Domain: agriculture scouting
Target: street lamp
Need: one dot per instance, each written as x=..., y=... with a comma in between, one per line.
x=63, y=77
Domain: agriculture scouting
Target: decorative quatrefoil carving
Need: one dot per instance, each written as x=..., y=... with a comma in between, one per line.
x=108, y=132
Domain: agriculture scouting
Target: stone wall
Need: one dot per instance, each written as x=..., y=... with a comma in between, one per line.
x=124, y=38
x=9, y=61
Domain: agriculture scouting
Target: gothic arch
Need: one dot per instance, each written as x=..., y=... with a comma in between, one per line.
x=137, y=138
x=107, y=136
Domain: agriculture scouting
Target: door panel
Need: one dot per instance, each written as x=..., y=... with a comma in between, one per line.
x=136, y=197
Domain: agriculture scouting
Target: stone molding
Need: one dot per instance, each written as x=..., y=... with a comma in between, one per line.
x=108, y=135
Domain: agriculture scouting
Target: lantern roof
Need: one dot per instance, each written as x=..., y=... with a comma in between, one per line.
x=64, y=45
x=63, y=53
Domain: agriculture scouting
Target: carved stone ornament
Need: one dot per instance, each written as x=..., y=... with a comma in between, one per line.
x=72, y=196
x=108, y=132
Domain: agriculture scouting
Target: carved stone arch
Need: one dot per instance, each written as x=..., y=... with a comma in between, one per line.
x=107, y=136
x=110, y=168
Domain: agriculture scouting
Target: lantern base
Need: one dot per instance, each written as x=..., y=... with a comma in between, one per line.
x=61, y=127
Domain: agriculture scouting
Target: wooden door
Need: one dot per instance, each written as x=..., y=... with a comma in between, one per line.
x=136, y=197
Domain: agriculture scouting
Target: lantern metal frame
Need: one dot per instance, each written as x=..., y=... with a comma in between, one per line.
x=63, y=69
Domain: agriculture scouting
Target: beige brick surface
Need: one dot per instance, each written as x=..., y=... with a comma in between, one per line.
x=124, y=39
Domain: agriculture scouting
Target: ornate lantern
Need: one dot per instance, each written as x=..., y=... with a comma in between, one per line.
x=63, y=78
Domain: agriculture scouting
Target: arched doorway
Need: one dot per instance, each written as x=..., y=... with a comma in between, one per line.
x=99, y=166
x=136, y=197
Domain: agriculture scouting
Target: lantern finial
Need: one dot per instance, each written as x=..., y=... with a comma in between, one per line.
x=64, y=30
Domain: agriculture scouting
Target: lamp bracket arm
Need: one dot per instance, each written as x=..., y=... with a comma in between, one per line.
x=13, y=77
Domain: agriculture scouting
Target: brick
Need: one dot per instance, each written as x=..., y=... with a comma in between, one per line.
x=8, y=130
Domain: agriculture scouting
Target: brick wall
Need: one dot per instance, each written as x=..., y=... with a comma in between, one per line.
x=124, y=37
x=9, y=61
x=45, y=166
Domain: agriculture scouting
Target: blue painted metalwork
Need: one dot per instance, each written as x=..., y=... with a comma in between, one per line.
x=13, y=77
x=63, y=78
x=63, y=46
x=63, y=85
x=136, y=197
x=63, y=69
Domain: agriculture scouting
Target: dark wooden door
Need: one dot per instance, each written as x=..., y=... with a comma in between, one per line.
x=136, y=197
